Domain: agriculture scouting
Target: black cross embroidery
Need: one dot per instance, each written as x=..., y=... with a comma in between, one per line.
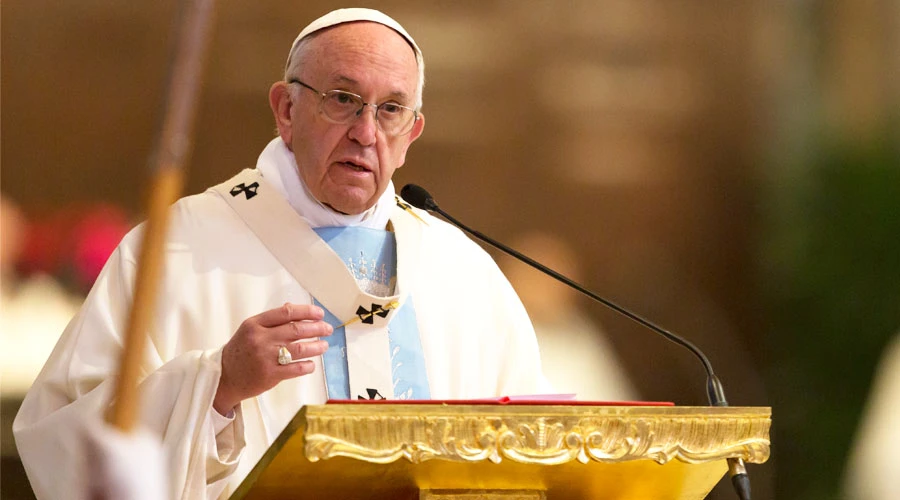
x=373, y=394
x=368, y=317
x=249, y=191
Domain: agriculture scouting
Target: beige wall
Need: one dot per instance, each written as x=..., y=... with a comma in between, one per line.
x=628, y=127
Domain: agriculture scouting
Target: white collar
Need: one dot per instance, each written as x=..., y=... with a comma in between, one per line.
x=277, y=165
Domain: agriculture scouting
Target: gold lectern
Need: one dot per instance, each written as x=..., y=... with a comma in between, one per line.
x=508, y=452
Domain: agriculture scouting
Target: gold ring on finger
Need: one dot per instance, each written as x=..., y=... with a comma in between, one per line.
x=284, y=356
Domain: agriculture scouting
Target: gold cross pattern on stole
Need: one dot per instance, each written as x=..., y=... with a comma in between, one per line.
x=408, y=209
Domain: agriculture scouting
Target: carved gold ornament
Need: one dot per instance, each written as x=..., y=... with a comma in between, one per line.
x=376, y=451
x=547, y=435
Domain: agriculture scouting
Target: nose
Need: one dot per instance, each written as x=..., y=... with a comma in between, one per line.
x=363, y=129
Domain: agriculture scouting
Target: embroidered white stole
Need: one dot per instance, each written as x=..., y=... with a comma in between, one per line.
x=318, y=268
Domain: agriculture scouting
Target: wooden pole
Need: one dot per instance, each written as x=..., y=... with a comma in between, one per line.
x=167, y=170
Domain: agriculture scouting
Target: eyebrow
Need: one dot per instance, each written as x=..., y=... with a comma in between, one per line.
x=397, y=94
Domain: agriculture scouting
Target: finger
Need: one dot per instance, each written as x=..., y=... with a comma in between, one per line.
x=293, y=370
x=298, y=330
x=290, y=312
x=304, y=350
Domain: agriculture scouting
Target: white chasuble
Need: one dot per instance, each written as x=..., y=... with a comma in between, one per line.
x=351, y=272
x=476, y=339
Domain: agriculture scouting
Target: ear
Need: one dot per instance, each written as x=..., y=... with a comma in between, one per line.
x=280, y=102
x=414, y=134
x=417, y=129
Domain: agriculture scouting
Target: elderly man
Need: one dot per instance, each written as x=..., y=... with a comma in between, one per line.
x=302, y=280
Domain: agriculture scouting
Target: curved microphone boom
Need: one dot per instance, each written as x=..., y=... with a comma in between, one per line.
x=418, y=197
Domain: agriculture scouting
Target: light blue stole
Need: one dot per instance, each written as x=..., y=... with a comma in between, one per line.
x=371, y=257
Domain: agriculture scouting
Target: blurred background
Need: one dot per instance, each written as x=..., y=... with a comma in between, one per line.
x=730, y=170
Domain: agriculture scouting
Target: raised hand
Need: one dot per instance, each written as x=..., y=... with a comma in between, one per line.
x=250, y=359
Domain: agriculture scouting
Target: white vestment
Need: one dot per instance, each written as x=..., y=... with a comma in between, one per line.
x=476, y=339
x=872, y=471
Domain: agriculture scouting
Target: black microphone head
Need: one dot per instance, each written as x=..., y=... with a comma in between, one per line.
x=418, y=197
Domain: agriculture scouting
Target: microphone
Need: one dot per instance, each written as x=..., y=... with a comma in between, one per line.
x=418, y=197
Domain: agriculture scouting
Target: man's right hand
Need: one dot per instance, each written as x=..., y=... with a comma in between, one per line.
x=250, y=359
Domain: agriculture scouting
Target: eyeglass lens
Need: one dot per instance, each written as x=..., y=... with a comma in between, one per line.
x=343, y=107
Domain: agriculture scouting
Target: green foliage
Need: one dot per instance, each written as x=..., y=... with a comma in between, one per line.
x=833, y=286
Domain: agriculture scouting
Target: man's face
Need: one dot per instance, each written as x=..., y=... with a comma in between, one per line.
x=348, y=166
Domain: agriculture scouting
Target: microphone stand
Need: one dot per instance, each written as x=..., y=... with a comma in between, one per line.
x=715, y=393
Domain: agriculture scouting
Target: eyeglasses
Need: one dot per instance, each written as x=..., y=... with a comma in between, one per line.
x=343, y=107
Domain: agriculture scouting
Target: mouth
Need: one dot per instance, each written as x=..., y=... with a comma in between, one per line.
x=355, y=166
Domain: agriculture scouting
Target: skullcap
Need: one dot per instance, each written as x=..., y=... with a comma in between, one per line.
x=341, y=16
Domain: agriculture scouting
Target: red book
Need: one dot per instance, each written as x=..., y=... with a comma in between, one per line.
x=533, y=399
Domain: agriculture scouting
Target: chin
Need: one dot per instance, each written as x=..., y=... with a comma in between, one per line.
x=350, y=207
x=354, y=203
